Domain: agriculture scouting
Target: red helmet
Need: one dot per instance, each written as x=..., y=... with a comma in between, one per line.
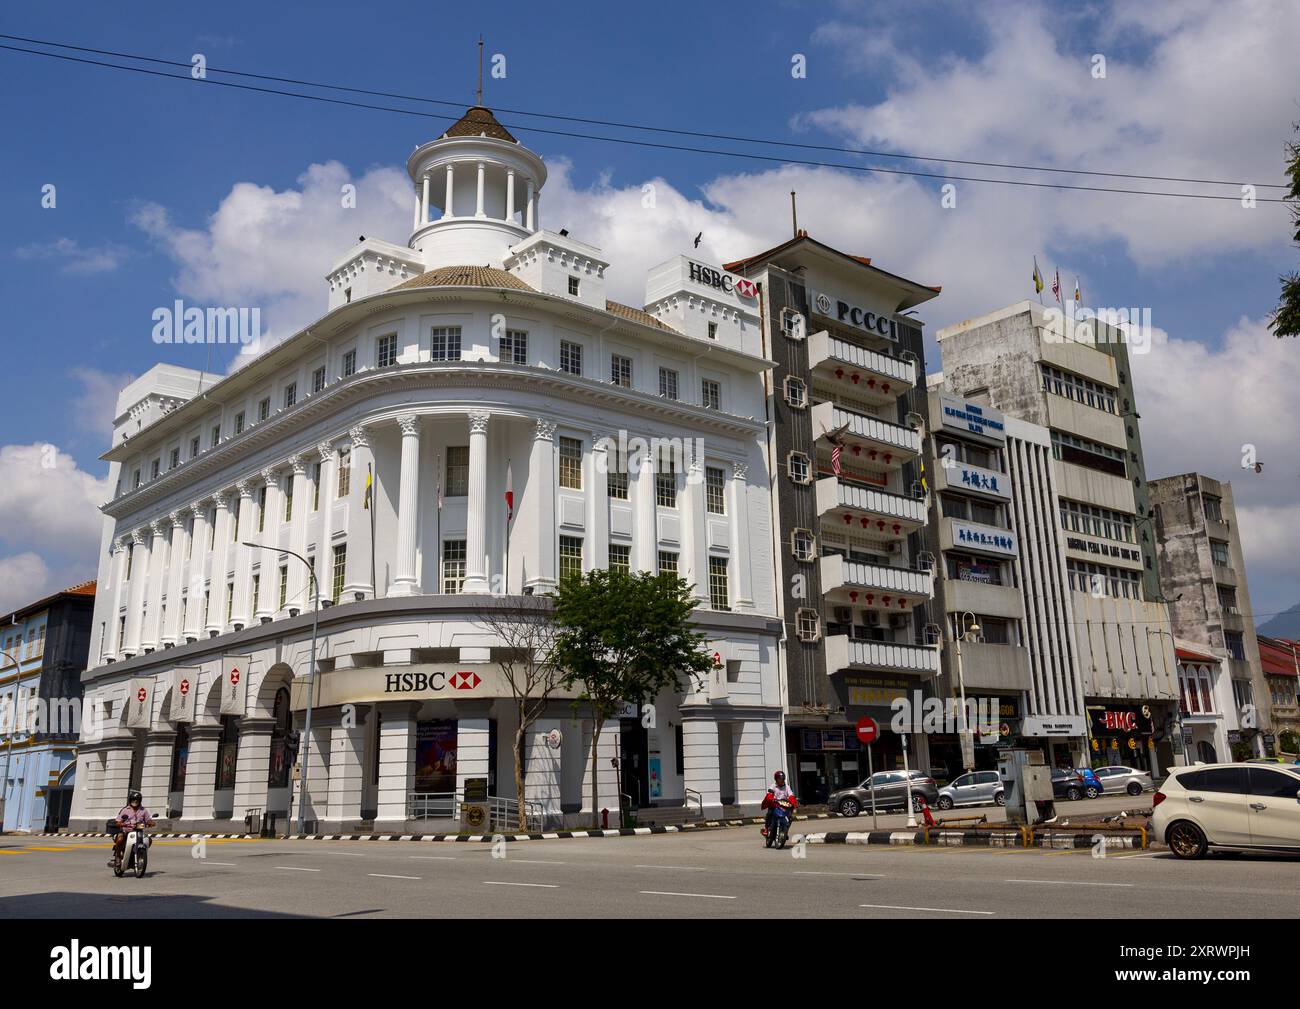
x=778, y=777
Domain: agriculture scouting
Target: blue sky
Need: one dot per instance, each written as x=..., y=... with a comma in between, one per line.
x=157, y=181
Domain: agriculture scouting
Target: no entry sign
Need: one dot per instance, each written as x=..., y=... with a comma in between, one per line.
x=868, y=730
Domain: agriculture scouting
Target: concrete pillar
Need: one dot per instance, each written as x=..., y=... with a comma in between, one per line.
x=201, y=772
x=346, y=756
x=473, y=752
x=478, y=207
x=252, y=765
x=139, y=565
x=424, y=202
x=396, y=763
x=510, y=194
x=598, y=503
x=406, y=581
x=742, y=577
x=645, y=514
x=297, y=592
x=476, y=580
x=156, y=775
x=120, y=594
x=541, y=491
x=151, y=626
x=358, y=578
x=314, y=798
x=116, y=781
x=606, y=772
x=701, y=770
x=245, y=528
x=198, y=550
x=216, y=621
x=749, y=760
x=695, y=539
x=176, y=555
x=447, y=211
x=544, y=779
x=530, y=212
x=328, y=490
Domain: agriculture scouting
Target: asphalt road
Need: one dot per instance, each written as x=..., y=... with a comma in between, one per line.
x=717, y=873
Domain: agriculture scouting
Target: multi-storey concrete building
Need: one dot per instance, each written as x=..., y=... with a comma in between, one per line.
x=45, y=645
x=1204, y=574
x=846, y=415
x=1280, y=660
x=471, y=420
x=1077, y=384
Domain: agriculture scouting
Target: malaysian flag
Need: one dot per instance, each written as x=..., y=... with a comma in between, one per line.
x=1056, y=285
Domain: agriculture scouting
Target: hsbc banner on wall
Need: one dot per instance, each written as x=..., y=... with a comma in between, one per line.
x=185, y=686
x=139, y=703
x=234, y=683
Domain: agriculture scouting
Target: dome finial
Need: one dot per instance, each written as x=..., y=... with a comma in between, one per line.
x=478, y=95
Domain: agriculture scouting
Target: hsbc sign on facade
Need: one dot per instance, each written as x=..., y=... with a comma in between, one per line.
x=408, y=683
x=710, y=277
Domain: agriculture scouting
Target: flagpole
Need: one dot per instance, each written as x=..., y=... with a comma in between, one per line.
x=438, y=528
x=510, y=507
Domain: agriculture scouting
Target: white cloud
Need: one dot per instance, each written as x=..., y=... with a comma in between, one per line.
x=73, y=257
x=96, y=407
x=24, y=578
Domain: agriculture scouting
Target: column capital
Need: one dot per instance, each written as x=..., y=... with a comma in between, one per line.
x=198, y=509
x=740, y=470
x=221, y=499
x=177, y=518
x=123, y=541
x=269, y=475
x=326, y=451
x=138, y=537
x=544, y=430
x=478, y=421
x=159, y=528
x=360, y=436
x=410, y=424
x=298, y=464
x=245, y=486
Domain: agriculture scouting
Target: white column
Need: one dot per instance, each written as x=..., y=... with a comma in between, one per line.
x=537, y=210
x=645, y=514
x=396, y=762
x=476, y=519
x=700, y=766
x=171, y=630
x=347, y=748
x=116, y=782
x=324, y=530
x=451, y=191
x=415, y=214
x=742, y=572
x=252, y=765
x=478, y=209
x=120, y=591
x=156, y=772
x=473, y=750
x=315, y=798
x=358, y=578
x=406, y=582
x=695, y=540
x=530, y=207
x=298, y=590
x=543, y=782
x=201, y=772
x=198, y=550
x=424, y=201
x=598, y=503
x=246, y=529
x=606, y=772
x=152, y=624
x=510, y=194
x=135, y=599
x=541, y=488
x=216, y=621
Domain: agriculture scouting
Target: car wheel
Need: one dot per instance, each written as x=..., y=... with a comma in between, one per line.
x=1186, y=840
x=850, y=807
x=1074, y=793
x=917, y=803
x=945, y=802
x=1000, y=799
x=1134, y=788
x=1092, y=792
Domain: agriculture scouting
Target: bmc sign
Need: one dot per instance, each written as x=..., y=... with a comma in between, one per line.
x=710, y=277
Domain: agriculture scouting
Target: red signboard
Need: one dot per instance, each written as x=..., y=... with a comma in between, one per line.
x=867, y=730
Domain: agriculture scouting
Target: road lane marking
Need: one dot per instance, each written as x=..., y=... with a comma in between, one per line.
x=670, y=893
x=683, y=868
x=219, y=863
x=434, y=858
x=497, y=882
x=294, y=868
x=349, y=854
x=943, y=910
x=855, y=875
x=1066, y=882
x=385, y=875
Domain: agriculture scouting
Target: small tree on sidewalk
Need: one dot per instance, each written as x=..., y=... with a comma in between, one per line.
x=625, y=637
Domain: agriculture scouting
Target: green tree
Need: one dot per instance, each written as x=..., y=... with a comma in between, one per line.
x=625, y=637
x=1286, y=317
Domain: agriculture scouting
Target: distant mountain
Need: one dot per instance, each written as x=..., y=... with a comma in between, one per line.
x=1284, y=625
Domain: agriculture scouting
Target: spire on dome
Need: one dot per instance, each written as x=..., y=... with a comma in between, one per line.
x=478, y=121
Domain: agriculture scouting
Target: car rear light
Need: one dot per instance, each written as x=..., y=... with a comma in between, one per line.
x=1157, y=798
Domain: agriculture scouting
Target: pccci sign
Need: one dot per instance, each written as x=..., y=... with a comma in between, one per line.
x=875, y=323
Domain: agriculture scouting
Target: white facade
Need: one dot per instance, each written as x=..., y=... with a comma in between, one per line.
x=380, y=445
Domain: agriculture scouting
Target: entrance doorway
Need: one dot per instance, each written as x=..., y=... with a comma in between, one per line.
x=634, y=761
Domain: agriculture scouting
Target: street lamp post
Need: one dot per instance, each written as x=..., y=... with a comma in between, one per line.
x=311, y=671
x=963, y=629
x=9, y=750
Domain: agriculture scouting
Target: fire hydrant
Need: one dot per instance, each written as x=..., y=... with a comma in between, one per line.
x=604, y=818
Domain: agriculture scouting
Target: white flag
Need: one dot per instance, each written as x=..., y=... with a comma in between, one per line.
x=139, y=703
x=234, y=683
x=185, y=687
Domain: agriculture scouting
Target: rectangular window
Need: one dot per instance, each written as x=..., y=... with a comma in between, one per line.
x=239, y=422
x=514, y=347
x=230, y=601
x=386, y=351
x=571, y=357
x=284, y=585
x=135, y=480
x=616, y=478
x=264, y=409
x=667, y=383
x=1234, y=643
x=345, y=472
x=290, y=394
x=713, y=331
x=194, y=446
x=1092, y=454
x=719, y=592
x=573, y=286
x=349, y=363
x=154, y=468
x=620, y=370
x=453, y=566
x=715, y=490
x=668, y=562
x=571, y=463
x=336, y=572
x=214, y=438
x=257, y=588
x=444, y=343
x=261, y=508
x=1219, y=553
x=318, y=379
x=288, y=499
x=175, y=459
x=711, y=394
x=570, y=556
x=620, y=558
x=1213, y=508
x=666, y=484
x=458, y=471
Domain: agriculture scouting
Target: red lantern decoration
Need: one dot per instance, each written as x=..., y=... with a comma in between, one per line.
x=848, y=519
x=865, y=522
x=897, y=528
x=855, y=376
x=885, y=600
x=889, y=457
x=871, y=383
x=884, y=387
x=839, y=372
x=902, y=603
x=872, y=453
x=853, y=596
x=857, y=449
x=880, y=524
x=870, y=598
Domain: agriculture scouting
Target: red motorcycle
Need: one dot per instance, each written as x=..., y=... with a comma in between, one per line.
x=782, y=814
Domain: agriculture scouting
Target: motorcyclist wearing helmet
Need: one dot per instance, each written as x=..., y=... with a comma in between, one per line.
x=777, y=792
x=131, y=816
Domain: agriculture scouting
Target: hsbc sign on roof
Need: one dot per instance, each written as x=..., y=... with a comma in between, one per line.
x=720, y=281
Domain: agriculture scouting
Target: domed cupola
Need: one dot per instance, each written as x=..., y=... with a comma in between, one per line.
x=476, y=193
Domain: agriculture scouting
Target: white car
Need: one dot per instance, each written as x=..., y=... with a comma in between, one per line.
x=1124, y=779
x=1228, y=806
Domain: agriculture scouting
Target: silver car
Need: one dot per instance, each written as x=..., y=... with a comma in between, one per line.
x=978, y=788
x=1124, y=779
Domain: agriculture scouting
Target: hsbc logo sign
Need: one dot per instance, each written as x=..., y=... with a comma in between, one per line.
x=720, y=281
x=410, y=683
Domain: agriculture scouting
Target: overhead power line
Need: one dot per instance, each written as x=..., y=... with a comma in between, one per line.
x=868, y=169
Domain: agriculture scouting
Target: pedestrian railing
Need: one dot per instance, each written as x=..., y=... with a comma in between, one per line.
x=503, y=813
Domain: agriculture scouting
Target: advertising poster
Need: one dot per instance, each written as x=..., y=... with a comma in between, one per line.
x=435, y=756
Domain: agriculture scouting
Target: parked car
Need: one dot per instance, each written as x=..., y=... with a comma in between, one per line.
x=891, y=792
x=1247, y=806
x=1125, y=779
x=1067, y=783
x=978, y=788
x=1091, y=783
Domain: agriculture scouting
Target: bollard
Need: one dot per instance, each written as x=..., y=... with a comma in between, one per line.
x=604, y=818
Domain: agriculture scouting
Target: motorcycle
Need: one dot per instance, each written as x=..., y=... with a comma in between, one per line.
x=782, y=814
x=135, y=854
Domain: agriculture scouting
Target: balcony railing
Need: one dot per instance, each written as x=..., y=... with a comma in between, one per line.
x=839, y=572
x=843, y=652
x=872, y=431
x=880, y=369
x=892, y=509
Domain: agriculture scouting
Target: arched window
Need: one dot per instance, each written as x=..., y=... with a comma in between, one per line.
x=281, y=756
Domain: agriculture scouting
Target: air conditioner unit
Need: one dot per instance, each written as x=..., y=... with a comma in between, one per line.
x=898, y=620
x=843, y=614
x=870, y=618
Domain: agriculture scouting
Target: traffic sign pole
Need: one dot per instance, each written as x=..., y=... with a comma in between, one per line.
x=868, y=730
x=871, y=778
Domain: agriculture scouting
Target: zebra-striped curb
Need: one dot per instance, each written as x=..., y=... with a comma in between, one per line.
x=976, y=838
x=156, y=837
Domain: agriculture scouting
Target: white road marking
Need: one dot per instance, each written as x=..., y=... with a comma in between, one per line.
x=294, y=868
x=855, y=875
x=670, y=893
x=218, y=863
x=683, y=868
x=536, y=861
x=1066, y=882
x=385, y=875
x=495, y=882
x=434, y=858
x=349, y=854
x=903, y=907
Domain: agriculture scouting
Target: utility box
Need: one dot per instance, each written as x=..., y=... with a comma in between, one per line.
x=1027, y=786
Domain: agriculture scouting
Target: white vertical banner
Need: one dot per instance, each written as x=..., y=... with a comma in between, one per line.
x=185, y=687
x=139, y=703
x=234, y=683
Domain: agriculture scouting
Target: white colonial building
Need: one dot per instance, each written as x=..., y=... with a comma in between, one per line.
x=464, y=425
